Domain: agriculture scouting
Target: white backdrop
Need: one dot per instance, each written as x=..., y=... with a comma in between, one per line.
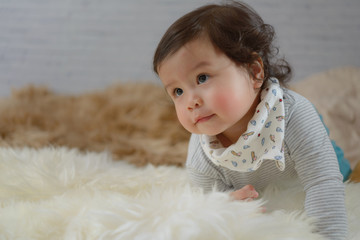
x=74, y=46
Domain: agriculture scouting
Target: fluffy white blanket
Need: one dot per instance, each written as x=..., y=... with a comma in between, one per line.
x=58, y=193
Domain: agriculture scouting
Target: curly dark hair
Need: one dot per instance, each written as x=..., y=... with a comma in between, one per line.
x=234, y=28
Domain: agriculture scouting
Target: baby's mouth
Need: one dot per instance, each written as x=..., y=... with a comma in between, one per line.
x=203, y=119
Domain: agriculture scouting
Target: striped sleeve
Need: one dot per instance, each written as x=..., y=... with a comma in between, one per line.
x=201, y=172
x=317, y=167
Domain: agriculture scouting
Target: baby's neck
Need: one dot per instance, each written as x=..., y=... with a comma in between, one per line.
x=232, y=135
x=226, y=142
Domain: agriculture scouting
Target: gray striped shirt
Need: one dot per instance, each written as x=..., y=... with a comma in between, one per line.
x=309, y=156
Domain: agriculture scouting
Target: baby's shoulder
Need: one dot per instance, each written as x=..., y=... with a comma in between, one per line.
x=196, y=158
x=295, y=102
x=195, y=154
x=293, y=98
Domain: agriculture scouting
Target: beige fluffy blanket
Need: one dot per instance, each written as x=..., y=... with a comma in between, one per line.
x=64, y=194
x=135, y=122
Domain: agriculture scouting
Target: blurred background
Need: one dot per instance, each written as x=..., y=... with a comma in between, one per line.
x=75, y=46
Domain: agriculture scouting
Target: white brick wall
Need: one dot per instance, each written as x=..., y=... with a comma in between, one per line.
x=79, y=45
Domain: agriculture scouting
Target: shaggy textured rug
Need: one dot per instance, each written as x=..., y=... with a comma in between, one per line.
x=58, y=193
x=135, y=122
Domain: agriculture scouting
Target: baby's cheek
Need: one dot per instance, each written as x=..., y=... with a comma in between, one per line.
x=223, y=102
x=183, y=118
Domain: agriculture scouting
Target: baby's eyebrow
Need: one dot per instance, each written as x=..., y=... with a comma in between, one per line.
x=168, y=86
x=200, y=64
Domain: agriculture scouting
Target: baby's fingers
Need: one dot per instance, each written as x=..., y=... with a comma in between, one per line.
x=246, y=193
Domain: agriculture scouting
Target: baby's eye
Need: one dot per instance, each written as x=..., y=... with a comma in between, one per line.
x=178, y=92
x=202, y=78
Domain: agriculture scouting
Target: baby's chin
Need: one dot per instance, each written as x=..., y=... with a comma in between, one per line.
x=209, y=132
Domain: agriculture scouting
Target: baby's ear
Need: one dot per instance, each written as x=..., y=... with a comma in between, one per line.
x=257, y=70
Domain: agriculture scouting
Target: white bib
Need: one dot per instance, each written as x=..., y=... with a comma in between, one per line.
x=263, y=139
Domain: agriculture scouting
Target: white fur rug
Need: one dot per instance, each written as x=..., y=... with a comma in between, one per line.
x=58, y=193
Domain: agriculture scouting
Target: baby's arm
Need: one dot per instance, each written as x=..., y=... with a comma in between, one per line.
x=317, y=167
x=207, y=177
x=206, y=182
x=201, y=172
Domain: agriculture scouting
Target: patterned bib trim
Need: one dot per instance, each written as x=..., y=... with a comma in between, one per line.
x=263, y=139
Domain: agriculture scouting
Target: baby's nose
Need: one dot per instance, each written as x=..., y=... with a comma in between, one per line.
x=195, y=102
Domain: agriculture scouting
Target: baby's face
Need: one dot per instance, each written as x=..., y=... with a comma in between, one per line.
x=211, y=93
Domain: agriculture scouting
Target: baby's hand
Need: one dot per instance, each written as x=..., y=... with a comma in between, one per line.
x=246, y=193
